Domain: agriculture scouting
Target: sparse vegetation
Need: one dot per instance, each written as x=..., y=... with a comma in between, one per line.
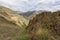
x=43, y=26
x=22, y=35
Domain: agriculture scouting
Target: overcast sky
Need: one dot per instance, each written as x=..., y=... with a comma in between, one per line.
x=29, y=5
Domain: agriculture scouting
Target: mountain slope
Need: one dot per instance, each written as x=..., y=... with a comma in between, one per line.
x=10, y=23
x=44, y=26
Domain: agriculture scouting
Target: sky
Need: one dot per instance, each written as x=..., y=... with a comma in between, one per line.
x=30, y=5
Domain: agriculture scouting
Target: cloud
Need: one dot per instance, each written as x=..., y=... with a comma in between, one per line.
x=29, y=5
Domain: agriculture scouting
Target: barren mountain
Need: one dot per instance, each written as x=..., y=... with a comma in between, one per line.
x=11, y=23
x=35, y=25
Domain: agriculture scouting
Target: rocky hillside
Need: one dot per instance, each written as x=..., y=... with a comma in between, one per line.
x=44, y=26
x=11, y=23
x=39, y=25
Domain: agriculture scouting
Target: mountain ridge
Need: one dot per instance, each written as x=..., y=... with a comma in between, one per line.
x=11, y=23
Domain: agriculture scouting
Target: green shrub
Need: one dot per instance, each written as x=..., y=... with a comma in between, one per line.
x=45, y=26
x=22, y=36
